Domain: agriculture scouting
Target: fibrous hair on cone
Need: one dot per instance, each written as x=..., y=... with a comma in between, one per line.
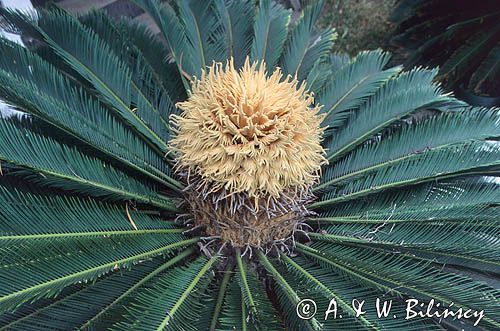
x=249, y=146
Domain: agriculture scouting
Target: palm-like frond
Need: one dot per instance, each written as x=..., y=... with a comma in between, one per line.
x=171, y=30
x=289, y=298
x=474, y=157
x=468, y=55
x=151, y=100
x=408, y=274
x=58, y=165
x=38, y=88
x=324, y=70
x=93, y=306
x=304, y=47
x=234, y=310
x=98, y=64
x=486, y=71
x=462, y=40
x=456, y=199
x=399, y=97
x=171, y=294
x=270, y=32
x=237, y=18
x=205, y=32
x=91, y=246
x=408, y=206
x=151, y=50
x=412, y=139
x=352, y=84
x=245, y=305
x=331, y=284
x=260, y=312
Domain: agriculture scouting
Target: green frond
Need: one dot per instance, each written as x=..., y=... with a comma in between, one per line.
x=473, y=239
x=19, y=22
x=319, y=49
x=156, y=54
x=218, y=316
x=94, y=60
x=7, y=320
x=304, y=46
x=352, y=85
x=86, y=307
x=468, y=55
x=52, y=164
x=154, y=113
x=173, y=301
x=270, y=33
x=457, y=40
x=204, y=31
x=117, y=308
x=189, y=17
x=460, y=199
x=238, y=19
x=41, y=219
x=452, y=222
x=319, y=283
x=324, y=69
x=194, y=32
x=246, y=291
x=39, y=89
x=152, y=102
x=405, y=275
x=144, y=52
x=413, y=139
x=54, y=266
x=234, y=310
x=401, y=96
x=332, y=285
x=289, y=297
x=476, y=157
x=317, y=76
x=421, y=51
x=64, y=241
x=173, y=33
x=458, y=261
x=487, y=71
x=260, y=310
x=246, y=305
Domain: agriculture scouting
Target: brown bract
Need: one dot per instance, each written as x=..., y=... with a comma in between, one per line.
x=247, y=132
x=262, y=228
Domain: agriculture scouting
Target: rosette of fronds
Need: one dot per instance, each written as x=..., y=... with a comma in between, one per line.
x=215, y=177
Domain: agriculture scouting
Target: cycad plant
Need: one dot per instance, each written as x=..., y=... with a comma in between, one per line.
x=188, y=183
